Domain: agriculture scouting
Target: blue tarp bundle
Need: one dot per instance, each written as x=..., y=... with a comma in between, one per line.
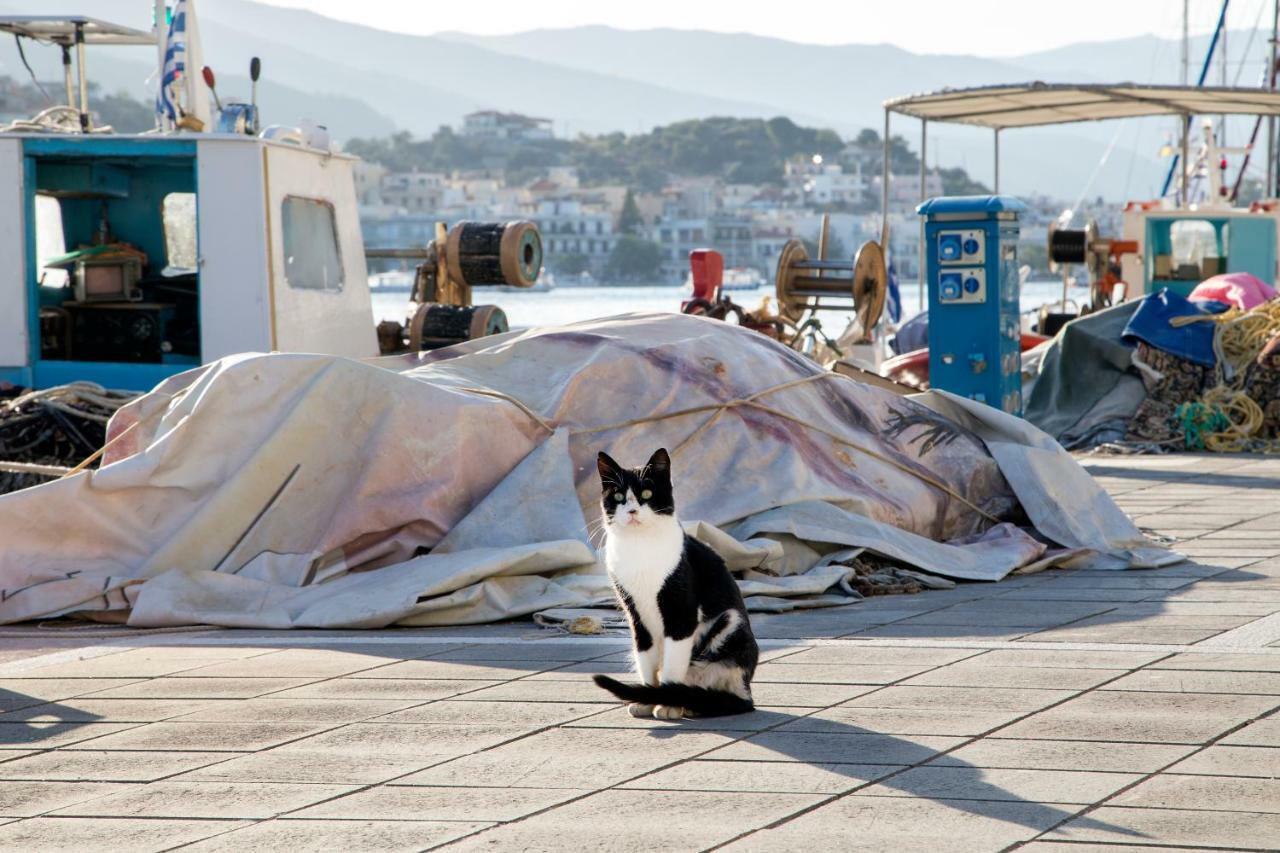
x=1150, y=324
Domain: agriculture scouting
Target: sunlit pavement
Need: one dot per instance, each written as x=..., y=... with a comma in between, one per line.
x=1055, y=711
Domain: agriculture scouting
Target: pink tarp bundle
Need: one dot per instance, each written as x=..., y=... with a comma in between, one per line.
x=1239, y=289
x=459, y=486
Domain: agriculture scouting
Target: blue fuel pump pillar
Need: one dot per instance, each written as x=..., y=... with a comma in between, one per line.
x=975, y=331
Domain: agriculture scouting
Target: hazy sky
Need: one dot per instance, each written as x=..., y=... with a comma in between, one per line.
x=983, y=27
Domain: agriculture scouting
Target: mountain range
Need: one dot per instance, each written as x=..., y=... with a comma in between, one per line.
x=365, y=81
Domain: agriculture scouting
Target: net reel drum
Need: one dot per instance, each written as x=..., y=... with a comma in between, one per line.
x=807, y=285
x=471, y=254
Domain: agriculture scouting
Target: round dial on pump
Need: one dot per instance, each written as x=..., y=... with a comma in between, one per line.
x=971, y=285
x=971, y=246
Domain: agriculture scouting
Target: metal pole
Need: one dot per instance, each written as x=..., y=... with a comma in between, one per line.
x=1186, y=40
x=996, y=182
x=1270, y=190
x=161, y=30
x=884, y=189
x=924, y=190
x=1182, y=179
x=84, y=82
x=67, y=76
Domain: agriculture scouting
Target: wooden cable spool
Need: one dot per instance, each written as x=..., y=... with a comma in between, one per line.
x=494, y=253
x=804, y=284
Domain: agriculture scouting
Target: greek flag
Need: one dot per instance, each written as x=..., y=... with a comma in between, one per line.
x=175, y=62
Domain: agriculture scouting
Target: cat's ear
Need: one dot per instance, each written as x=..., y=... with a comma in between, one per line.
x=659, y=464
x=610, y=471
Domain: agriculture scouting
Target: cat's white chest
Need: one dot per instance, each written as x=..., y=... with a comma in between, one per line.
x=641, y=562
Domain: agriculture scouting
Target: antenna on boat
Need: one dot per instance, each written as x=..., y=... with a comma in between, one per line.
x=255, y=71
x=212, y=84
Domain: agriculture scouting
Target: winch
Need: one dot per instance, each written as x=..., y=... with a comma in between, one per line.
x=471, y=254
x=807, y=285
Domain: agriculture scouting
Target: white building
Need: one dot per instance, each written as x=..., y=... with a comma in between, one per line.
x=571, y=227
x=511, y=127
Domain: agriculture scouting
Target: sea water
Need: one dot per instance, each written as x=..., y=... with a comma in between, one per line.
x=571, y=304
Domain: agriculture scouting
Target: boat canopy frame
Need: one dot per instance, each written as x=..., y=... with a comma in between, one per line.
x=1037, y=104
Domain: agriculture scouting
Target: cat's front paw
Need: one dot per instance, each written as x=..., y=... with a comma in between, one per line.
x=668, y=712
x=638, y=709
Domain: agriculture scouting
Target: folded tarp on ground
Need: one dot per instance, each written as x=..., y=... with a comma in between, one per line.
x=1151, y=324
x=459, y=486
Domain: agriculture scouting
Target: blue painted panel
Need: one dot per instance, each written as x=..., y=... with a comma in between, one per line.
x=974, y=318
x=123, y=377
x=107, y=146
x=20, y=376
x=1252, y=247
x=970, y=204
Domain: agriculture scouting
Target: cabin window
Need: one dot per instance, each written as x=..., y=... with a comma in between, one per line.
x=311, y=258
x=51, y=240
x=179, y=213
x=1193, y=241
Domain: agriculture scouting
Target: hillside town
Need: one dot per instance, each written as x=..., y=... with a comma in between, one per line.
x=608, y=232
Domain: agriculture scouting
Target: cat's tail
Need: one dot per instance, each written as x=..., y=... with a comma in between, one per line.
x=700, y=701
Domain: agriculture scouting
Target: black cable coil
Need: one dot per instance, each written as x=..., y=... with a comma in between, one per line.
x=1068, y=246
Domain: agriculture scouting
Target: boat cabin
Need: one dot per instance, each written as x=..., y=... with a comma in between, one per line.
x=138, y=257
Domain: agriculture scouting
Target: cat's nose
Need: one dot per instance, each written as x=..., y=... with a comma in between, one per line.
x=635, y=511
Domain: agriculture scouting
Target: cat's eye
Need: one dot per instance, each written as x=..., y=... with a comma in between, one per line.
x=619, y=497
x=646, y=494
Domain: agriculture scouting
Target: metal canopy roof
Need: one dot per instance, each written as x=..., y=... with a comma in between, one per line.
x=1033, y=104
x=61, y=29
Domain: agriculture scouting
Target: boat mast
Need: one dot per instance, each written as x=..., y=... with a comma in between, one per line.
x=1271, y=190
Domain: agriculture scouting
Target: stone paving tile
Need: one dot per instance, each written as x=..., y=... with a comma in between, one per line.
x=28, y=799
x=75, y=835
x=48, y=735
x=460, y=670
x=550, y=652
x=1210, y=793
x=132, y=664
x=523, y=691
x=1223, y=760
x=421, y=690
x=1141, y=717
x=1107, y=757
x=902, y=721
x=1013, y=614
x=812, y=695
x=841, y=673
x=221, y=800
x=584, y=671
x=976, y=674
x=328, y=836
x=904, y=823
x=181, y=687
x=296, y=663
x=1199, y=681
x=970, y=783
x=868, y=655
x=74, y=765
x=1230, y=830
x=272, y=709
x=690, y=820
x=24, y=692
x=395, y=802
x=909, y=631
x=411, y=740
x=1121, y=632
x=206, y=737
x=89, y=710
x=779, y=777
x=571, y=758
x=1065, y=659
x=533, y=715
x=1258, y=733
x=979, y=699
x=844, y=748
x=292, y=764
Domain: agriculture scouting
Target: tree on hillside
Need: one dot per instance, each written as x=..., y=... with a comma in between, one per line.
x=630, y=221
x=958, y=182
x=634, y=258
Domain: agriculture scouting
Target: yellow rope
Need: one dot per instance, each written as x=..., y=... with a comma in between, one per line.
x=1238, y=338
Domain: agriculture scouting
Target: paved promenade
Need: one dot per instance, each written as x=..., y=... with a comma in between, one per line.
x=1053, y=712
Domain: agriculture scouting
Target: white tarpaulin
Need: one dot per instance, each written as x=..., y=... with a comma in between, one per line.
x=459, y=486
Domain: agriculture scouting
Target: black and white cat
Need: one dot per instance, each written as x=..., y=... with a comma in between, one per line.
x=694, y=650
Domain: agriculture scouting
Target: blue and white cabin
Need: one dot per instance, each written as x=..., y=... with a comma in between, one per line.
x=129, y=258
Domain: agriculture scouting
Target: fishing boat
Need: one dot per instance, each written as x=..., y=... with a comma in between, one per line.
x=139, y=256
